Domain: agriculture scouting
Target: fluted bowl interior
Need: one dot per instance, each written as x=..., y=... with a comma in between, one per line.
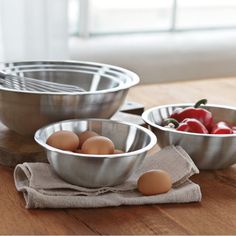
x=98, y=170
x=208, y=151
x=104, y=89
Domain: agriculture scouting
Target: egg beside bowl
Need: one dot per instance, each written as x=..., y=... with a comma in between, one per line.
x=91, y=170
x=208, y=151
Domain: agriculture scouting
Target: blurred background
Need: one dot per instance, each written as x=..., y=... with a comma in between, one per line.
x=161, y=40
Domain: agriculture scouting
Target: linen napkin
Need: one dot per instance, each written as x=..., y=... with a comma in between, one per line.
x=42, y=188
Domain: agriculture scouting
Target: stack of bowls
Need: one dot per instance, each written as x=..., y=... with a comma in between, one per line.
x=26, y=111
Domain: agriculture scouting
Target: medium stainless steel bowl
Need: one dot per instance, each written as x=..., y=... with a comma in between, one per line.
x=208, y=151
x=105, y=88
x=98, y=170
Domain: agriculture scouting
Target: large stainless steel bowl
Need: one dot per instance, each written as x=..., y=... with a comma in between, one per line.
x=98, y=170
x=208, y=151
x=105, y=88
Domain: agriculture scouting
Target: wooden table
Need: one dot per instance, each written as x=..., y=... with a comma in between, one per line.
x=216, y=214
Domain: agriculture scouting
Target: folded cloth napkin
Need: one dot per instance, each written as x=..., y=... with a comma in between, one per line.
x=42, y=188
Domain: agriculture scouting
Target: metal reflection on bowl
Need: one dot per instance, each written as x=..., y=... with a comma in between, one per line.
x=208, y=151
x=98, y=170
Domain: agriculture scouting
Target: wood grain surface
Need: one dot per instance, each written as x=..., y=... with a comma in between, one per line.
x=216, y=214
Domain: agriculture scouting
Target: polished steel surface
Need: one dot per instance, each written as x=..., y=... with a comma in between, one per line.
x=26, y=111
x=28, y=84
x=208, y=151
x=98, y=170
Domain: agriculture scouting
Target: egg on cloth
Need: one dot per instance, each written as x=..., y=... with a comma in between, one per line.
x=64, y=140
x=154, y=182
x=98, y=145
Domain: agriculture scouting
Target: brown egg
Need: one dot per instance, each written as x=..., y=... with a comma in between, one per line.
x=98, y=145
x=117, y=151
x=154, y=182
x=78, y=151
x=86, y=135
x=64, y=140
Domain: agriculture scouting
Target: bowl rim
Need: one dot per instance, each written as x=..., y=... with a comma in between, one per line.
x=145, y=117
x=135, y=78
x=151, y=144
